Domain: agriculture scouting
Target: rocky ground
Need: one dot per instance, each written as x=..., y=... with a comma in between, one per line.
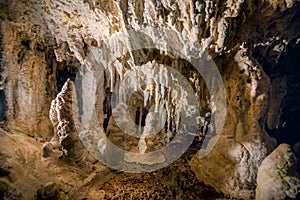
x=26, y=175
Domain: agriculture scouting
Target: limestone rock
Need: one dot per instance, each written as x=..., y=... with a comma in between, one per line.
x=276, y=177
x=244, y=143
x=63, y=114
x=25, y=67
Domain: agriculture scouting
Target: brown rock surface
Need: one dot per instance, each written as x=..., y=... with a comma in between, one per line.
x=232, y=164
x=24, y=174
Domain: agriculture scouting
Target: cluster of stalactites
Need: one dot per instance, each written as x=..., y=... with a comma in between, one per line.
x=156, y=82
x=161, y=86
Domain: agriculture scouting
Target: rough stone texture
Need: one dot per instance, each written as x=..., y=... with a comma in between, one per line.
x=25, y=70
x=63, y=115
x=43, y=38
x=25, y=175
x=231, y=166
x=276, y=177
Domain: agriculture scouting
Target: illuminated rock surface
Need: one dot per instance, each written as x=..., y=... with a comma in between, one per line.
x=276, y=177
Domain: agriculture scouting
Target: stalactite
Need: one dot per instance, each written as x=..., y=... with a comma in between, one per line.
x=119, y=68
x=157, y=94
x=146, y=97
x=112, y=76
x=207, y=9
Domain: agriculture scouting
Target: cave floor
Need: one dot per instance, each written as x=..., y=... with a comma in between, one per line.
x=23, y=172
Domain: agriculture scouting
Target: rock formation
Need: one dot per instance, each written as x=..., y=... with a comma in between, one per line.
x=62, y=115
x=55, y=49
x=243, y=143
x=276, y=177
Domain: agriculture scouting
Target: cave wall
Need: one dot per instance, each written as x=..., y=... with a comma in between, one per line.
x=28, y=71
x=46, y=40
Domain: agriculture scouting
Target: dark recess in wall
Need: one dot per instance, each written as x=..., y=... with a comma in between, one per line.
x=65, y=71
x=3, y=106
x=288, y=67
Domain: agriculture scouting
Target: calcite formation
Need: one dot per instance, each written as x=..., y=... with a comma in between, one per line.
x=63, y=116
x=55, y=49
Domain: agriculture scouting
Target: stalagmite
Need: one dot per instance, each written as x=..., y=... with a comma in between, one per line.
x=63, y=116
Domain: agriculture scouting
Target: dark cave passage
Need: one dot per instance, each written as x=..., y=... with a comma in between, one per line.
x=3, y=106
x=63, y=74
x=282, y=60
x=288, y=68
